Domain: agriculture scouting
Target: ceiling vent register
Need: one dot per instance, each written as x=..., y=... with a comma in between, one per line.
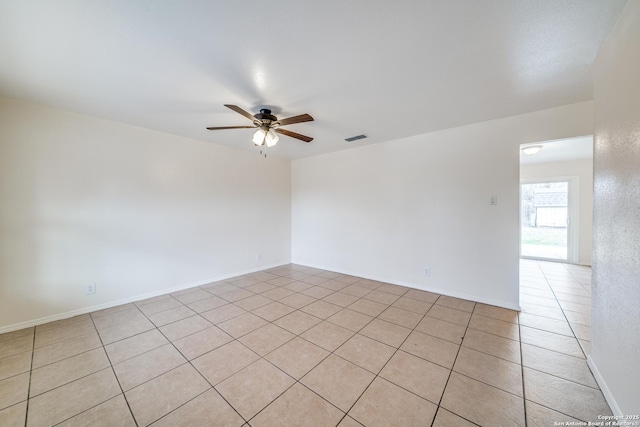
x=355, y=138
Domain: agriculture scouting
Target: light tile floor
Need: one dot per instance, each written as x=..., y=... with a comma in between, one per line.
x=295, y=345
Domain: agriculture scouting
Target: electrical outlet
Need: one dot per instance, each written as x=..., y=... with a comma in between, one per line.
x=258, y=257
x=90, y=289
x=427, y=271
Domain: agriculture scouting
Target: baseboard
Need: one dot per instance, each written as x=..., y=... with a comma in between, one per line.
x=90, y=309
x=447, y=292
x=604, y=387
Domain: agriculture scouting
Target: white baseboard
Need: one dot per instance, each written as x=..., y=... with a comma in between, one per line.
x=447, y=292
x=604, y=387
x=90, y=309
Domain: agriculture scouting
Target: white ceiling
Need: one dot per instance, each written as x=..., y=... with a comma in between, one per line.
x=388, y=69
x=560, y=150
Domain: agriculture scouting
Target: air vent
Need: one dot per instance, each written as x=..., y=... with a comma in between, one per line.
x=355, y=138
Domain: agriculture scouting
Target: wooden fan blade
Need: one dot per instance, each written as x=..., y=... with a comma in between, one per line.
x=294, y=135
x=230, y=127
x=295, y=119
x=240, y=111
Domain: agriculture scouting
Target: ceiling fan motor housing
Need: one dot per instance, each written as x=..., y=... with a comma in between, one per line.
x=265, y=117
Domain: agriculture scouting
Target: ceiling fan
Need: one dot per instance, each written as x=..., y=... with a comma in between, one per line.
x=268, y=126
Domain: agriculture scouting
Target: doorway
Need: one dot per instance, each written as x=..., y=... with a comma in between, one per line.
x=556, y=203
x=544, y=220
x=549, y=219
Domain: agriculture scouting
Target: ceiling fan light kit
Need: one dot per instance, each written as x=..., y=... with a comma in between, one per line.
x=272, y=138
x=530, y=150
x=268, y=126
x=262, y=137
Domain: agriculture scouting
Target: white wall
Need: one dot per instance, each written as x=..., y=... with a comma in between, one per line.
x=389, y=210
x=615, y=330
x=583, y=168
x=136, y=211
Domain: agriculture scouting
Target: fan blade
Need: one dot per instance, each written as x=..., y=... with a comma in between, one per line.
x=231, y=127
x=240, y=111
x=294, y=135
x=295, y=119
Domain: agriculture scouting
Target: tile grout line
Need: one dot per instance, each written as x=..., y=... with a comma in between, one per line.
x=33, y=351
x=546, y=330
x=524, y=389
x=187, y=362
x=190, y=400
x=489, y=354
x=241, y=343
x=195, y=314
x=546, y=373
x=550, y=349
x=85, y=376
x=495, y=335
x=323, y=359
x=114, y=374
x=333, y=352
x=589, y=292
x=377, y=375
x=65, y=358
x=296, y=381
x=94, y=330
x=452, y=367
x=454, y=362
x=565, y=317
